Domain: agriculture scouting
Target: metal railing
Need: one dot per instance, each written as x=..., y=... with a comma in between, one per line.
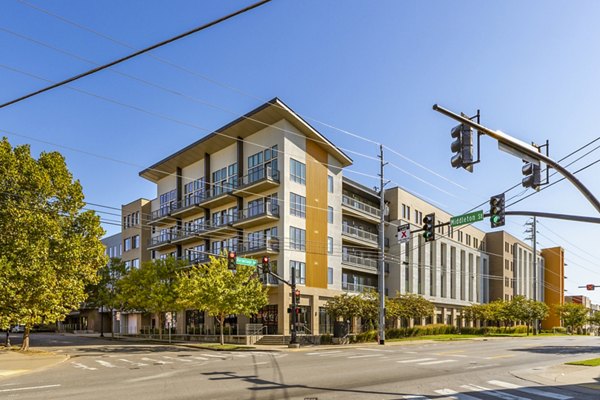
x=268, y=244
x=360, y=206
x=359, y=233
x=161, y=239
x=259, y=174
x=264, y=209
x=163, y=211
x=357, y=260
x=356, y=287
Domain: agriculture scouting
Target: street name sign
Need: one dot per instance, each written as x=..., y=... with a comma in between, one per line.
x=404, y=233
x=466, y=218
x=246, y=261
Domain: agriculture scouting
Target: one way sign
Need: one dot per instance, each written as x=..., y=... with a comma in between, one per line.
x=404, y=233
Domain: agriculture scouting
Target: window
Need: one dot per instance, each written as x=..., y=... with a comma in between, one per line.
x=418, y=217
x=224, y=179
x=263, y=165
x=135, y=263
x=300, y=269
x=506, y=247
x=330, y=276
x=406, y=212
x=127, y=244
x=297, y=239
x=506, y=282
x=297, y=205
x=329, y=245
x=167, y=202
x=330, y=215
x=193, y=192
x=468, y=237
x=330, y=183
x=263, y=238
x=135, y=241
x=127, y=265
x=506, y=264
x=297, y=171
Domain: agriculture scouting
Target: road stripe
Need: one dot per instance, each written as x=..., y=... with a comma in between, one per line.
x=9, y=372
x=533, y=391
x=137, y=364
x=27, y=388
x=437, y=362
x=105, y=364
x=78, y=365
x=213, y=356
x=157, y=361
x=490, y=392
x=200, y=358
x=455, y=395
x=366, y=355
x=177, y=359
x=415, y=360
x=323, y=353
x=500, y=356
x=150, y=378
x=378, y=350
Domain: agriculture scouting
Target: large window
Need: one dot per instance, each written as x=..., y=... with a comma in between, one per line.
x=330, y=215
x=263, y=164
x=297, y=239
x=167, y=202
x=297, y=171
x=297, y=205
x=263, y=238
x=193, y=192
x=224, y=179
x=330, y=183
x=127, y=244
x=330, y=276
x=300, y=269
x=329, y=245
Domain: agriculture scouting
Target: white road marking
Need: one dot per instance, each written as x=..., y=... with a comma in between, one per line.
x=105, y=364
x=149, y=378
x=455, y=395
x=415, y=360
x=78, y=365
x=378, y=350
x=137, y=364
x=490, y=392
x=436, y=362
x=27, y=388
x=157, y=361
x=200, y=358
x=261, y=363
x=536, y=392
x=366, y=355
x=213, y=356
x=9, y=372
x=177, y=359
x=410, y=352
x=323, y=353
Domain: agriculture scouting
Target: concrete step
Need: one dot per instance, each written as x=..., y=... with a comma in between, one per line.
x=273, y=340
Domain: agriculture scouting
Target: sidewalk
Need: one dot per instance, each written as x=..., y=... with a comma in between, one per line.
x=14, y=363
x=562, y=374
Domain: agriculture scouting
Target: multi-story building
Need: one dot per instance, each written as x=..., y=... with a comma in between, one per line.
x=512, y=269
x=450, y=271
x=554, y=284
x=265, y=184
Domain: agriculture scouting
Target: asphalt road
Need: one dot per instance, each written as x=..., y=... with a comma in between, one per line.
x=464, y=370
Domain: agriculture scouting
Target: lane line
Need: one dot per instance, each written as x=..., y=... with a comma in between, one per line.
x=152, y=377
x=455, y=395
x=105, y=364
x=323, y=353
x=79, y=365
x=533, y=391
x=213, y=356
x=9, y=372
x=415, y=360
x=500, y=356
x=437, y=362
x=28, y=388
x=366, y=355
x=490, y=392
x=137, y=364
x=200, y=358
x=177, y=359
x=157, y=361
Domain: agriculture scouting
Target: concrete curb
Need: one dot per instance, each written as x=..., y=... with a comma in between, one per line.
x=47, y=361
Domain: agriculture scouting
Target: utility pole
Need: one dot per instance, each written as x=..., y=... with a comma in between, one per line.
x=294, y=338
x=533, y=237
x=381, y=250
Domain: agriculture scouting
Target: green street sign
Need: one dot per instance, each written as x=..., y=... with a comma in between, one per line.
x=246, y=261
x=466, y=218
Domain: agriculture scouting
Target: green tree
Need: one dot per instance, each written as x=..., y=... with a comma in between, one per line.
x=151, y=288
x=594, y=320
x=574, y=315
x=527, y=310
x=221, y=292
x=344, y=306
x=415, y=306
x=105, y=292
x=50, y=249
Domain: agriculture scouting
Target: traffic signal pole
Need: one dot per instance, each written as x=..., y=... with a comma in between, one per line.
x=381, y=250
x=294, y=338
x=523, y=148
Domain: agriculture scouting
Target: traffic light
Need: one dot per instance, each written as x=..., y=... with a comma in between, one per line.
x=532, y=172
x=231, y=264
x=590, y=286
x=462, y=147
x=265, y=265
x=497, y=210
x=297, y=294
x=429, y=227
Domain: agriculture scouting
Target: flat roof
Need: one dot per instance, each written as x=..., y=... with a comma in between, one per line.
x=242, y=127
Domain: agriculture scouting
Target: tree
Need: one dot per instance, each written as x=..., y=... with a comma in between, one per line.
x=574, y=315
x=105, y=293
x=594, y=320
x=151, y=288
x=409, y=306
x=221, y=292
x=344, y=306
x=527, y=310
x=50, y=249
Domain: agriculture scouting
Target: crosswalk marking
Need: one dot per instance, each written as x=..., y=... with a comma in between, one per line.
x=157, y=361
x=200, y=358
x=366, y=355
x=455, y=395
x=105, y=364
x=323, y=353
x=378, y=350
x=415, y=360
x=82, y=366
x=436, y=362
x=213, y=356
x=490, y=392
x=137, y=364
x=533, y=391
x=177, y=359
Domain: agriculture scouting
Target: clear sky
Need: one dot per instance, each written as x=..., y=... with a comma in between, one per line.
x=370, y=68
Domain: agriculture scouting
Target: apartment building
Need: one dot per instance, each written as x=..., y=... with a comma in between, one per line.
x=512, y=269
x=554, y=284
x=451, y=271
x=265, y=184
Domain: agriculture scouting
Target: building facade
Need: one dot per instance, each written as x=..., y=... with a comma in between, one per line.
x=554, y=284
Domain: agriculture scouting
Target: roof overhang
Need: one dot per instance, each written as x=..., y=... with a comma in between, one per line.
x=244, y=126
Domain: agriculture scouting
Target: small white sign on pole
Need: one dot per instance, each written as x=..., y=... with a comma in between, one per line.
x=404, y=233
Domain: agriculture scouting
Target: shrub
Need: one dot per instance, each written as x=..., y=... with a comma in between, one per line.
x=326, y=339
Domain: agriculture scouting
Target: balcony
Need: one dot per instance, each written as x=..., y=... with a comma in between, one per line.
x=197, y=259
x=253, y=216
x=222, y=226
x=360, y=263
x=359, y=209
x=257, y=181
x=359, y=236
x=188, y=236
x=162, y=216
x=188, y=206
x=218, y=195
x=160, y=242
x=356, y=287
x=261, y=247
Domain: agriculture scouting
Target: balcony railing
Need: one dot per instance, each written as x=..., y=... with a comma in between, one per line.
x=360, y=206
x=160, y=240
x=356, y=287
x=163, y=211
x=194, y=259
x=265, y=209
x=359, y=233
x=257, y=175
x=260, y=245
x=361, y=261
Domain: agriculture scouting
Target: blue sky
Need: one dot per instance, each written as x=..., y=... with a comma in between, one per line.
x=370, y=68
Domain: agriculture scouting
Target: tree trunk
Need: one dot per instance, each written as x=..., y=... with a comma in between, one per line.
x=25, y=344
x=7, y=343
x=160, y=325
x=112, y=323
x=222, y=322
x=527, y=328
